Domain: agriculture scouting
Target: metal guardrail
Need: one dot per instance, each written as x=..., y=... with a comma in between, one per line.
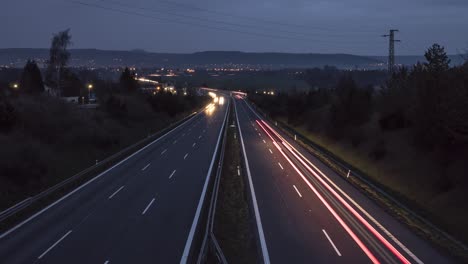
x=90, y=172
x=210, y=243
x=346, y=170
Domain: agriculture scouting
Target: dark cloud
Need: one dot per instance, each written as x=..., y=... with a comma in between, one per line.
x=346, y=26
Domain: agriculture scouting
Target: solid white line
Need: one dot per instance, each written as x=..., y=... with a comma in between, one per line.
x=199, y=137
x=193, y=145
x=146, y=167
x=280, y=166
x=264, y=141
x=331, y=242
x=185, y=156
x=107, y=262
x=148, y=206
x=270, y=151
x=172, y=174
x=261, y=235
x=164, y=151
x=55, y=244
x=382, y=228
x=110, y=197
x=93, y=179
x=188, y=244
x=300, y=195
x=390, y=235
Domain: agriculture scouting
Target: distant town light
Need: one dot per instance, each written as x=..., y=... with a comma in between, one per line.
x=15, y=85
x=90, y=86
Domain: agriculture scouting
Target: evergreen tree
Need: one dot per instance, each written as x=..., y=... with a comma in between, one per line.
x=31, y=79
x=127, y=81
x=437, y=59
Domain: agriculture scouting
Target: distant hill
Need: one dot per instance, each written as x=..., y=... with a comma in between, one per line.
x=139, y=58
x=411, y=60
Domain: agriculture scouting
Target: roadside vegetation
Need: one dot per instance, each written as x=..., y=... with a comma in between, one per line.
x=234, y=227
x=409, y=135
x=45, y=139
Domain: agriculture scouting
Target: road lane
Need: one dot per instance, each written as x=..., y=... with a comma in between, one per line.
x=107, y=220
x=292, y=226
x=346, y=245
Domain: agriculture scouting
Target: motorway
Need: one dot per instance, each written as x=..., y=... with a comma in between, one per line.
x=306, y=213
x=142, y=210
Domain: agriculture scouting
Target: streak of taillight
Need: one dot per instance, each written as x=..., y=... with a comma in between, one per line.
x=333, y=212
x=263, y=128
x=346, y=204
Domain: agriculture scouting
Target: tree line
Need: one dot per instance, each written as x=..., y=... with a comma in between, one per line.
x=429, y=98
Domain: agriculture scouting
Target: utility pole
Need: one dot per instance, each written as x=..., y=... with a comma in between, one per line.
x=391, y=49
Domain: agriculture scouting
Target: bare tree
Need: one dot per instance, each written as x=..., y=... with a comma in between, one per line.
x=59, y=57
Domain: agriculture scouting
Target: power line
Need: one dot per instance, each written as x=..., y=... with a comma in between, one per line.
x=308, y=27
x=171, y=20
x=146, y=9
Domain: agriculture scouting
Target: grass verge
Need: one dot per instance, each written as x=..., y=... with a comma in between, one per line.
x=87, y=174
x=233, y=226
x=410, y=214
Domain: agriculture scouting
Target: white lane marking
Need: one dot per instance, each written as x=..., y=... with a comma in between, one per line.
x=270, y=151
x=55, y=244
x=107, y=262
x=199, y=137
x=148, y=206
x=172, y=174
x=261, y=235
x=193, y=145
x=401, y=245
x=193, y=228
x=295, y=188
x=93, y=179
x=175, y=141
x=331, y=242
x=259, y=135
x=204, y=130
x=238, y=171
x=110, y=197
x=146, y=167
x=264, y=141
x=280, y=166
x=164, y=151
x=390, y=235
x=185, y=156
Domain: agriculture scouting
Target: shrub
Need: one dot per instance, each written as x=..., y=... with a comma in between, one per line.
x=379, y=151
x=8, y=115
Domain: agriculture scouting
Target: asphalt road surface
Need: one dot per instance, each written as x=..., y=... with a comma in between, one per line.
x=140, y=211
x=306, y=213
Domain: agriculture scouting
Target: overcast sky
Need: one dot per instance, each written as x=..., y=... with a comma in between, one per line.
x=326, y=26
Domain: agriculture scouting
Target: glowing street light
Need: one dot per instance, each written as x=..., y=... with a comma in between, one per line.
x=90, y=87
x=15, y=85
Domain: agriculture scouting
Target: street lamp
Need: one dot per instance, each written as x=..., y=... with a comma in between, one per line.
x=90, y=87
x=15, y=85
